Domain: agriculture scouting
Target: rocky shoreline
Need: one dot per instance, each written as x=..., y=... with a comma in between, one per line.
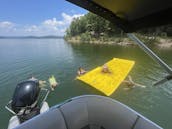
x=164, y=43
x=123, y=42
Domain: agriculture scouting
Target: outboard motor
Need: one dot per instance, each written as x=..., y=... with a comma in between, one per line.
x=24, y=101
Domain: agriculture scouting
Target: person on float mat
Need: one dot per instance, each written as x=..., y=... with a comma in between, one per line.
x=105, y=69
x=81, y=71
x=131, y=84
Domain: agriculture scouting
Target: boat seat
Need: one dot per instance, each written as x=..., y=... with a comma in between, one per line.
x=143, y=123
x=51, y=119
x=96, y=111
x=89, y=112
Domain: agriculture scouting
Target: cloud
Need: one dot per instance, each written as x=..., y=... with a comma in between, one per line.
x=6, y=24
x=58, y=27
x=31, y=28
x=47, y=27
x=6, y=27
x=68, y=19
x=51, y=22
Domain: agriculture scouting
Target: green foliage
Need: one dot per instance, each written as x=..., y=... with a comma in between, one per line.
x=77, y=27
x=85, y=37
x=93, y=25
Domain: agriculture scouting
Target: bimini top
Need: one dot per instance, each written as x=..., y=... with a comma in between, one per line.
x=130, y=15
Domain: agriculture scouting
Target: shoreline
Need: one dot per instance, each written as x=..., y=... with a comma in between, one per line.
x=122, y=42
x=160, y=42
x=165, y=43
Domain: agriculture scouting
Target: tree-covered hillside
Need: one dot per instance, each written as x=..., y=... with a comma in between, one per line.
x=91, y=27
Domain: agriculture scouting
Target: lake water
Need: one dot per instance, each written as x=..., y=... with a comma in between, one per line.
x=20, y=58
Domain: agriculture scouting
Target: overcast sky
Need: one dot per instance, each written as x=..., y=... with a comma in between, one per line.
x=36, y=17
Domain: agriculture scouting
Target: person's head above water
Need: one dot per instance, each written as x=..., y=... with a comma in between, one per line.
x=105, y=66
x=30, y=77
x=80, y=68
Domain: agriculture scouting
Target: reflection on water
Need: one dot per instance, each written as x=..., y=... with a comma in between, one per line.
x=20, y=58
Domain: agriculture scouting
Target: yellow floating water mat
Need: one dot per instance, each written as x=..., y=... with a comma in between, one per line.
x=108, y=82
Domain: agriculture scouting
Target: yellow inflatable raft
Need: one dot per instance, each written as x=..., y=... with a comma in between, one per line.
x=108, y=82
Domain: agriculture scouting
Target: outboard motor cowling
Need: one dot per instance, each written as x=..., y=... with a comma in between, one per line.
x=26, y=94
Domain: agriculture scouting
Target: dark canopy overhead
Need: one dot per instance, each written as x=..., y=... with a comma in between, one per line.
x=131, y=15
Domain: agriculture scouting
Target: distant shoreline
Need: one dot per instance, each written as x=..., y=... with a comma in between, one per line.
x=31, y=37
